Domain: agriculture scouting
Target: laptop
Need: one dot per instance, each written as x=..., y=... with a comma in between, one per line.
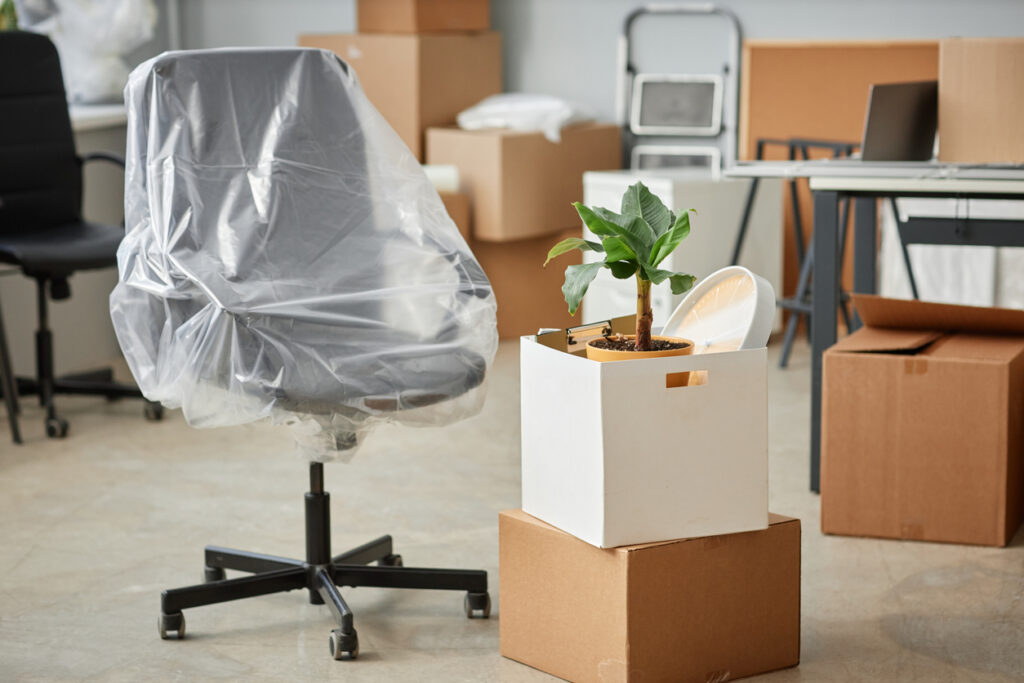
x=901, y=122
x=899, y=128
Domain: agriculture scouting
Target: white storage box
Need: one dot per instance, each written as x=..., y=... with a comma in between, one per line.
x=719, y=204
x=613, y=457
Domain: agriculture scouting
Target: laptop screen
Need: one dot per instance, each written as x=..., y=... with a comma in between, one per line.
x=901, y=122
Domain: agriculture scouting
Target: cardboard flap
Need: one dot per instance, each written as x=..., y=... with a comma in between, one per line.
x=868, y=339
x=901, y=314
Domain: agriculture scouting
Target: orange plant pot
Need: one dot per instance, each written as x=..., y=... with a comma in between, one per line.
x=678, y=379
x=605, y=355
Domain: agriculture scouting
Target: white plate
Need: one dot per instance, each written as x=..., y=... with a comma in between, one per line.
x=730, y=309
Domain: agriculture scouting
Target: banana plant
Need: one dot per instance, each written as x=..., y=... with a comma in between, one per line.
x=634, y=243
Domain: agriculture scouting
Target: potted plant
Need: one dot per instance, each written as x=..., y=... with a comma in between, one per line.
x=634, y=243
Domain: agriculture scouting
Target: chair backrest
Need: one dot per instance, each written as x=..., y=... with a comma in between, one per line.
x=40, y=175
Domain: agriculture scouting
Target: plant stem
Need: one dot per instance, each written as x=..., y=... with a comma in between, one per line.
x=644, y=314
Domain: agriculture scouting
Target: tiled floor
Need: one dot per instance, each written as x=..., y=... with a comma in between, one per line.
x=93, y=527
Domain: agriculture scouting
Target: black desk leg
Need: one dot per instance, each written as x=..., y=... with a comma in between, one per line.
x=865, y=248
x=825, y=305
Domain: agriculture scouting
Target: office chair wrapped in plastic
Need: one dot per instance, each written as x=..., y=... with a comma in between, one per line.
x=287, y=258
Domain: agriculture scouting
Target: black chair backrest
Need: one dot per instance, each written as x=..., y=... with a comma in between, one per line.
x=40, y=175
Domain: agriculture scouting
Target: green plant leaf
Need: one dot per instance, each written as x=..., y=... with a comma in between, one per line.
x=615, y=249
x=681, y=282
x=640, y=201
x=639, y=237
x=668, y=241
x=577, y=280
x=612, y=217
x=597, y=224
x=622, y=270
x=571, y=243
x=636, y=234
x=643, y=232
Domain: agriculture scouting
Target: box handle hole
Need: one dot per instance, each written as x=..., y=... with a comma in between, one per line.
x=690, y=378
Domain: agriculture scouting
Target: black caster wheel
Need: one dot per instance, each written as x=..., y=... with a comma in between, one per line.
x=153, y=411
x=391, y=561
x=344, y=645
x=477, y=602
x=167, y=623
x=56, y=427
x=211, y=574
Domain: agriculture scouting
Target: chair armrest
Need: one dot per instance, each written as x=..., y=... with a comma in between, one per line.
x=102, y=156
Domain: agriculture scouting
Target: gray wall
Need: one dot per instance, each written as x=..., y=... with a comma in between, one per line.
x=236, y=23
x=568, y=47
x=561, y=47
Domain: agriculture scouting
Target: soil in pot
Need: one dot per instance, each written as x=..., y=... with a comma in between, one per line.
x=627, y=344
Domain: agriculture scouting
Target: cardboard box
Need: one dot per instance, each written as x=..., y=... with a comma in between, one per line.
x=923, y=424
x=614, y=456
x=719, y=203
x=529, y=295
x=418, y=81
x=981, y=96
x=522, y=185
x=457, y=206
x=423, y=16
x=710, y=609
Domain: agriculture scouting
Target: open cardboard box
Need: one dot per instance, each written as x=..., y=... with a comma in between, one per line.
x=706, y=609
x=616, y=454
x=923, y=424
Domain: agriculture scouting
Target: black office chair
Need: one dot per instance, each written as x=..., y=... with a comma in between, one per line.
x=41, y=226
x=286, y=257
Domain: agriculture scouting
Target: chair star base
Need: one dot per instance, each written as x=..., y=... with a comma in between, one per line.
x=46, y=385
x=320, y=574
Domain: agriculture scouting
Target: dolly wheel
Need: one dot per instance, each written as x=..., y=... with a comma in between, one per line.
x=477, y=602
x=344, y=645
x=153, y=411
x=166, y=623
x=391, y=561
x=211, y=574
x=56, y=427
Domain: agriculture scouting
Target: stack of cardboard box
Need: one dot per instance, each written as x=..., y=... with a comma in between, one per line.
x=645, y=550
x=421, y=62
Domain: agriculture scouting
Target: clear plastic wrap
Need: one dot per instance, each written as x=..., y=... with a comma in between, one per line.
x=92, y=37
x=286, y=256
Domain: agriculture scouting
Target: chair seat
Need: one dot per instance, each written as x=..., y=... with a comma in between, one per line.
x=61, y=250
x=392, y=383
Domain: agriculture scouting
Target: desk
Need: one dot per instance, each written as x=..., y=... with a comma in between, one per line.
x=865, y=183
x=86, y=117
